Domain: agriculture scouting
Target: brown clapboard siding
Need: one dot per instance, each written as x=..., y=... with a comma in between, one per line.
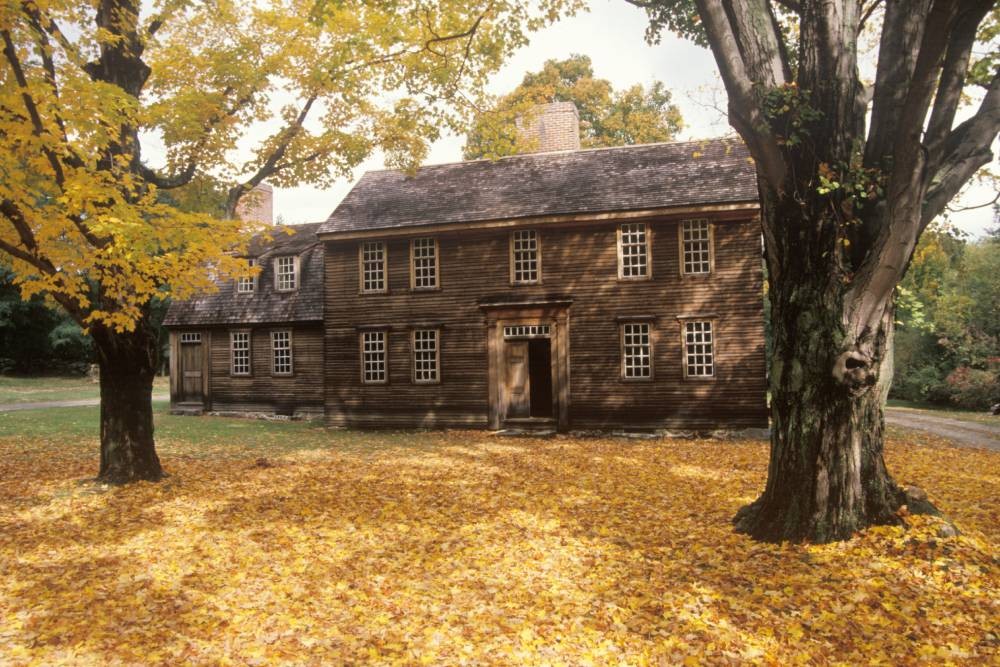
x=579, y=262
x=262, y=391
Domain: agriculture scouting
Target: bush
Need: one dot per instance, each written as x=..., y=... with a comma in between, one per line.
x=922, y=384
x=974, y=389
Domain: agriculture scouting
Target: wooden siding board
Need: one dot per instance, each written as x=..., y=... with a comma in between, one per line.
x=581, y=263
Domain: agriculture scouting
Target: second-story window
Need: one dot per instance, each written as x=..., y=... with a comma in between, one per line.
x=424, y=263
x=525, y=258
x=373, y=267
x=633, y=251
x=696, y=247
x=285, y=274
x=249, y=284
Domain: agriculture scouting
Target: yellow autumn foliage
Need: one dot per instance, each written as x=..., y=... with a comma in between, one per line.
x=330, y=548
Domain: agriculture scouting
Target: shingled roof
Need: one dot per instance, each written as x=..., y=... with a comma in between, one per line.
x=265, y=305
x=648, y=176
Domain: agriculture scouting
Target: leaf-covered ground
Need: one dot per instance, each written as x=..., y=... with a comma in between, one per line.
x=466, y=548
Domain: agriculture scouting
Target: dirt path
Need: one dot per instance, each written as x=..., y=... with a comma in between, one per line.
x=40, y=405
x=962, y=433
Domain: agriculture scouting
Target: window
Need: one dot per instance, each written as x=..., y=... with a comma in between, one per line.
x=423, y=264
x=281, y=352
x=699, y=349
x=373, y=358
x=525, y=263
x=248, y=284
x=239, y=352
x=190, y=338
x=373, y=267
x=526, y=331
x=696, y=246
x=425, y=355
x=637, y=361
x=633, y=251
x=285, y=273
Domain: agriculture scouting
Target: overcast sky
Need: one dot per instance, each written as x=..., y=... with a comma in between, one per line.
x=612, y=34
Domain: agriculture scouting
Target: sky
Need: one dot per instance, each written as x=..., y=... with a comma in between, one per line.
x=612, y=34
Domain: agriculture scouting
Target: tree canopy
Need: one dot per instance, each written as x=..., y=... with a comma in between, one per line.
x=608, y=117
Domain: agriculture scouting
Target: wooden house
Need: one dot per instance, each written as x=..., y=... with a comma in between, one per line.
x=615, y=288
x=255, y=345
x=578, y=289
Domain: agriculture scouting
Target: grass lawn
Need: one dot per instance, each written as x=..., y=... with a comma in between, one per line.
x=15, y=389
x=278, y=543
x=982, y=417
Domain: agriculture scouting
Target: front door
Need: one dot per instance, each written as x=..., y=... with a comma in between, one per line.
x=191, y=372
x=517, y=379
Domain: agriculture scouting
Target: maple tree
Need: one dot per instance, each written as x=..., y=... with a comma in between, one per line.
x=84, y=87
x=850, y=174
x=635, y=115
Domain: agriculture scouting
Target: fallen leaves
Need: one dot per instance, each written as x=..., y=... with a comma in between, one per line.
x=463, y=548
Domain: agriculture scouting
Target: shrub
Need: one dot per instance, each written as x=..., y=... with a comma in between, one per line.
x=973, y=388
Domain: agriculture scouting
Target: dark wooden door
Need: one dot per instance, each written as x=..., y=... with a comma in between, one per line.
x=191, y=372
x=517, y=380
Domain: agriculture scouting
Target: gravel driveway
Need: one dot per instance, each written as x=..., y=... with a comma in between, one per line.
x=962, y=433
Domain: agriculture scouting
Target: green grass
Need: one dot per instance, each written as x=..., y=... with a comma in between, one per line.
x=204, y=436
x=54, y=388
x=949, y=413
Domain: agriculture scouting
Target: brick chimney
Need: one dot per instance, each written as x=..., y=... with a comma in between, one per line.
x=257, y=205
x=551, y=127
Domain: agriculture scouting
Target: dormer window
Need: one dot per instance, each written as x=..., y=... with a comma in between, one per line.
x=286, y=273
x=249, y=284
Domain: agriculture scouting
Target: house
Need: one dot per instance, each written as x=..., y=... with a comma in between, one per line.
x=255, y=345
x=576, y=289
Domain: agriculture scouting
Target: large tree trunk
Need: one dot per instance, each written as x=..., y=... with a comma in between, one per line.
x=128, y=363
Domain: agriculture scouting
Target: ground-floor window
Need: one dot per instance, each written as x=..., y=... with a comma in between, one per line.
x=374, y=367
x=699, y=349
x=239, y=352
x=637, y=351
x=281, y=352
x=426, y=356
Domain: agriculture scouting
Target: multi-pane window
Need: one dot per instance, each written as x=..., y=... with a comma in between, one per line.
x=633, y=250
x=423, y=257
x=239, y=352
x=699, y=349
x=284, y=274
x=247, y=284
x=373, y=266
x=191, y=337
x=281, y=352
x=637, y=360
x=524, y=256
x=425, y=355
x=373, y=357
x=696, y=246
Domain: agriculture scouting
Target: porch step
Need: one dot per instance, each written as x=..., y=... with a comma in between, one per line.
x=533, y=426
x=188, y=409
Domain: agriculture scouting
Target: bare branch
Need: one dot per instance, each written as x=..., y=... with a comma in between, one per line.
x=866, y=13
x=959, y=209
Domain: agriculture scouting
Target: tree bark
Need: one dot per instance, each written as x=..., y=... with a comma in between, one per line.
x=128, y=363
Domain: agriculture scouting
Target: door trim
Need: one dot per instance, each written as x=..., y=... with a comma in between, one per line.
x=556, y=317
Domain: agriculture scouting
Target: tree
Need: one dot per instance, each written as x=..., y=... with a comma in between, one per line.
x=850, y=174
x=607, y=117
x=84, y=86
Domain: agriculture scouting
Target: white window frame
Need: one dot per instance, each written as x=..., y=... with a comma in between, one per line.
x=275, y=335
x=191, y=338
x=645, y=249
x=626, y=330
x=425, y=262
x=431, y=374
x=365, y=339
x=278, y=274
x=518, y=236
x=695, y=358
x=248, y=350
x=684, y=230
x=382, y=268
x=247, y=285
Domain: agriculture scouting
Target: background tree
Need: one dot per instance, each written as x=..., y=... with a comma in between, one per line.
x=608, y=117
x=850, y=174
x=84, y=86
